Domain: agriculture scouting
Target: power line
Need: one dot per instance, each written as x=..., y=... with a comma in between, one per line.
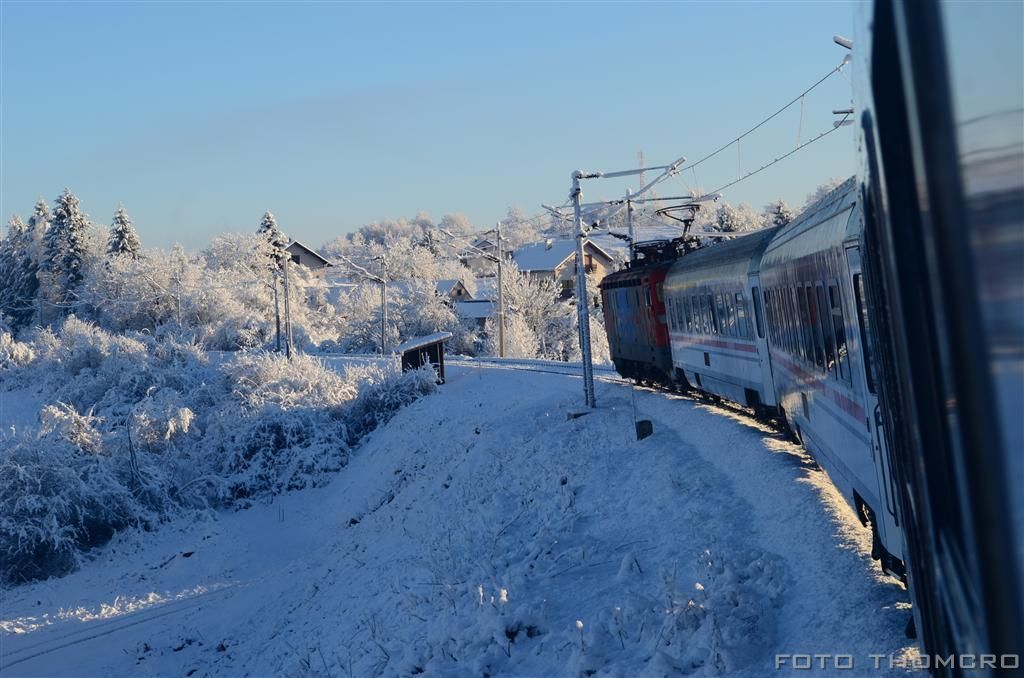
x=770, y=117
x=836, y=126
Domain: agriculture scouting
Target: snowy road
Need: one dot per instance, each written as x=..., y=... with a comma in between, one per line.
x=483, y=532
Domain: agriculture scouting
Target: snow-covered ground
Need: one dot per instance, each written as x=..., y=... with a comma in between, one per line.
x=484, y=532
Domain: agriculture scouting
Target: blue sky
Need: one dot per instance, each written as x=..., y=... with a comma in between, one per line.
x=200, y=116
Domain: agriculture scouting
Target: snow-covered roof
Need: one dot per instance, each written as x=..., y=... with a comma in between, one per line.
x=423, y=342
x=481, y=308
x=549, y=254
x=446, y=286
x=309, y=250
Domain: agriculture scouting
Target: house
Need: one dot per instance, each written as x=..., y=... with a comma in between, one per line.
x=450, y=291
x=555, y=260
x=453, y=290
x=474, y=313
x=480, y=256
x=310, y=258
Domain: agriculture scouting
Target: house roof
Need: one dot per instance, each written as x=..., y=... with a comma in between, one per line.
x=480, y=308
x=550, y=254
x=446, y=286
x=309, y=250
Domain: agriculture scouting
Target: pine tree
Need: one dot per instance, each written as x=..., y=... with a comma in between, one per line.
x=65, y=248
x=273, y=235
x=778, y=213
x=123, y=239
x=10, y=273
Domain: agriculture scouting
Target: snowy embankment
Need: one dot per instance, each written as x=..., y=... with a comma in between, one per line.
x=482, y=532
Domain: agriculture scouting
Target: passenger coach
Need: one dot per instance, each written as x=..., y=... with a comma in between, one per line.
x=716, y=322
x=822, y=360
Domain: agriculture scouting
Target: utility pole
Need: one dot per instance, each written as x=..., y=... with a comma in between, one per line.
x=277, y=314
x=383, y=304
x=629, y=222
x=501, y=299
x=287, y=313
x=582, y=302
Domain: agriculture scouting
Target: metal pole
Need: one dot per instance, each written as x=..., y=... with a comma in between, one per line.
x=582, y=301
x=501, y=301
x=287, y=313
x=629, y=222
x=383, y=304
x=277, y=315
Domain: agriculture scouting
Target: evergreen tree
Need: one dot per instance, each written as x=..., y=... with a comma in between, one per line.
x=272, y=234
x=10, y=274
x=123, y=239
x=65, y=248
x=778, y=213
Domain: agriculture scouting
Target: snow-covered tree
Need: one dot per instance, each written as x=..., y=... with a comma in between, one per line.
x=65, y=249
x=517, y=229
x=269, y=231
x=123, y=240
x=12, y=256
x=778, y=213
x=729, y=219
x=456, y=223
x=821, y=191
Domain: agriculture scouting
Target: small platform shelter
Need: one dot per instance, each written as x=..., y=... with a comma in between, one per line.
x=419, y=351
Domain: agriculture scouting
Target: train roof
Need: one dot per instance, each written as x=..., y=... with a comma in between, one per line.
x=825, y=223
x=738, y=257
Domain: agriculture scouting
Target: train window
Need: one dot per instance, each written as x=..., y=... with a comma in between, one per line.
x=680, y=312
x=839, y=330
x=730, y=315
x=671, y=315
x=718, y=311
x=814, y=329
x=647, y=297
x=806, y=348
x=687, y=317
x=826, y=331
x=712, y=320
x=755, y=294
x=741, y=314
x=865, y=327
x=772, y=311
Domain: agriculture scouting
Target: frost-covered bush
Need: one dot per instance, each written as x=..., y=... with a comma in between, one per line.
x=13, y=353
x=134, y=430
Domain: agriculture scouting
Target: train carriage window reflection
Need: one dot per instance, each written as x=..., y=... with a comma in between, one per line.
x=814, y=329
x=718, y=311
x=687, y=315
x=681, y=312
x=670, y=306
x=730, y=315
x=839, y=330
x=712, y=315
x=758, y=313
x=826, y=331
x=806, y=348
x=741, y=314
x=865, y=328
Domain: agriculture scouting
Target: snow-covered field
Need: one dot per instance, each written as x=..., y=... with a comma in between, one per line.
x=483, y=532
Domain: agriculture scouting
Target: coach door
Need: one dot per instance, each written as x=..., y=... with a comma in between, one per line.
x=761, y=339
x=885, y=515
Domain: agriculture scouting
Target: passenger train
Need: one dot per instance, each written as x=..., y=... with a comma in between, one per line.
x=773, y=321
x=884, y=327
